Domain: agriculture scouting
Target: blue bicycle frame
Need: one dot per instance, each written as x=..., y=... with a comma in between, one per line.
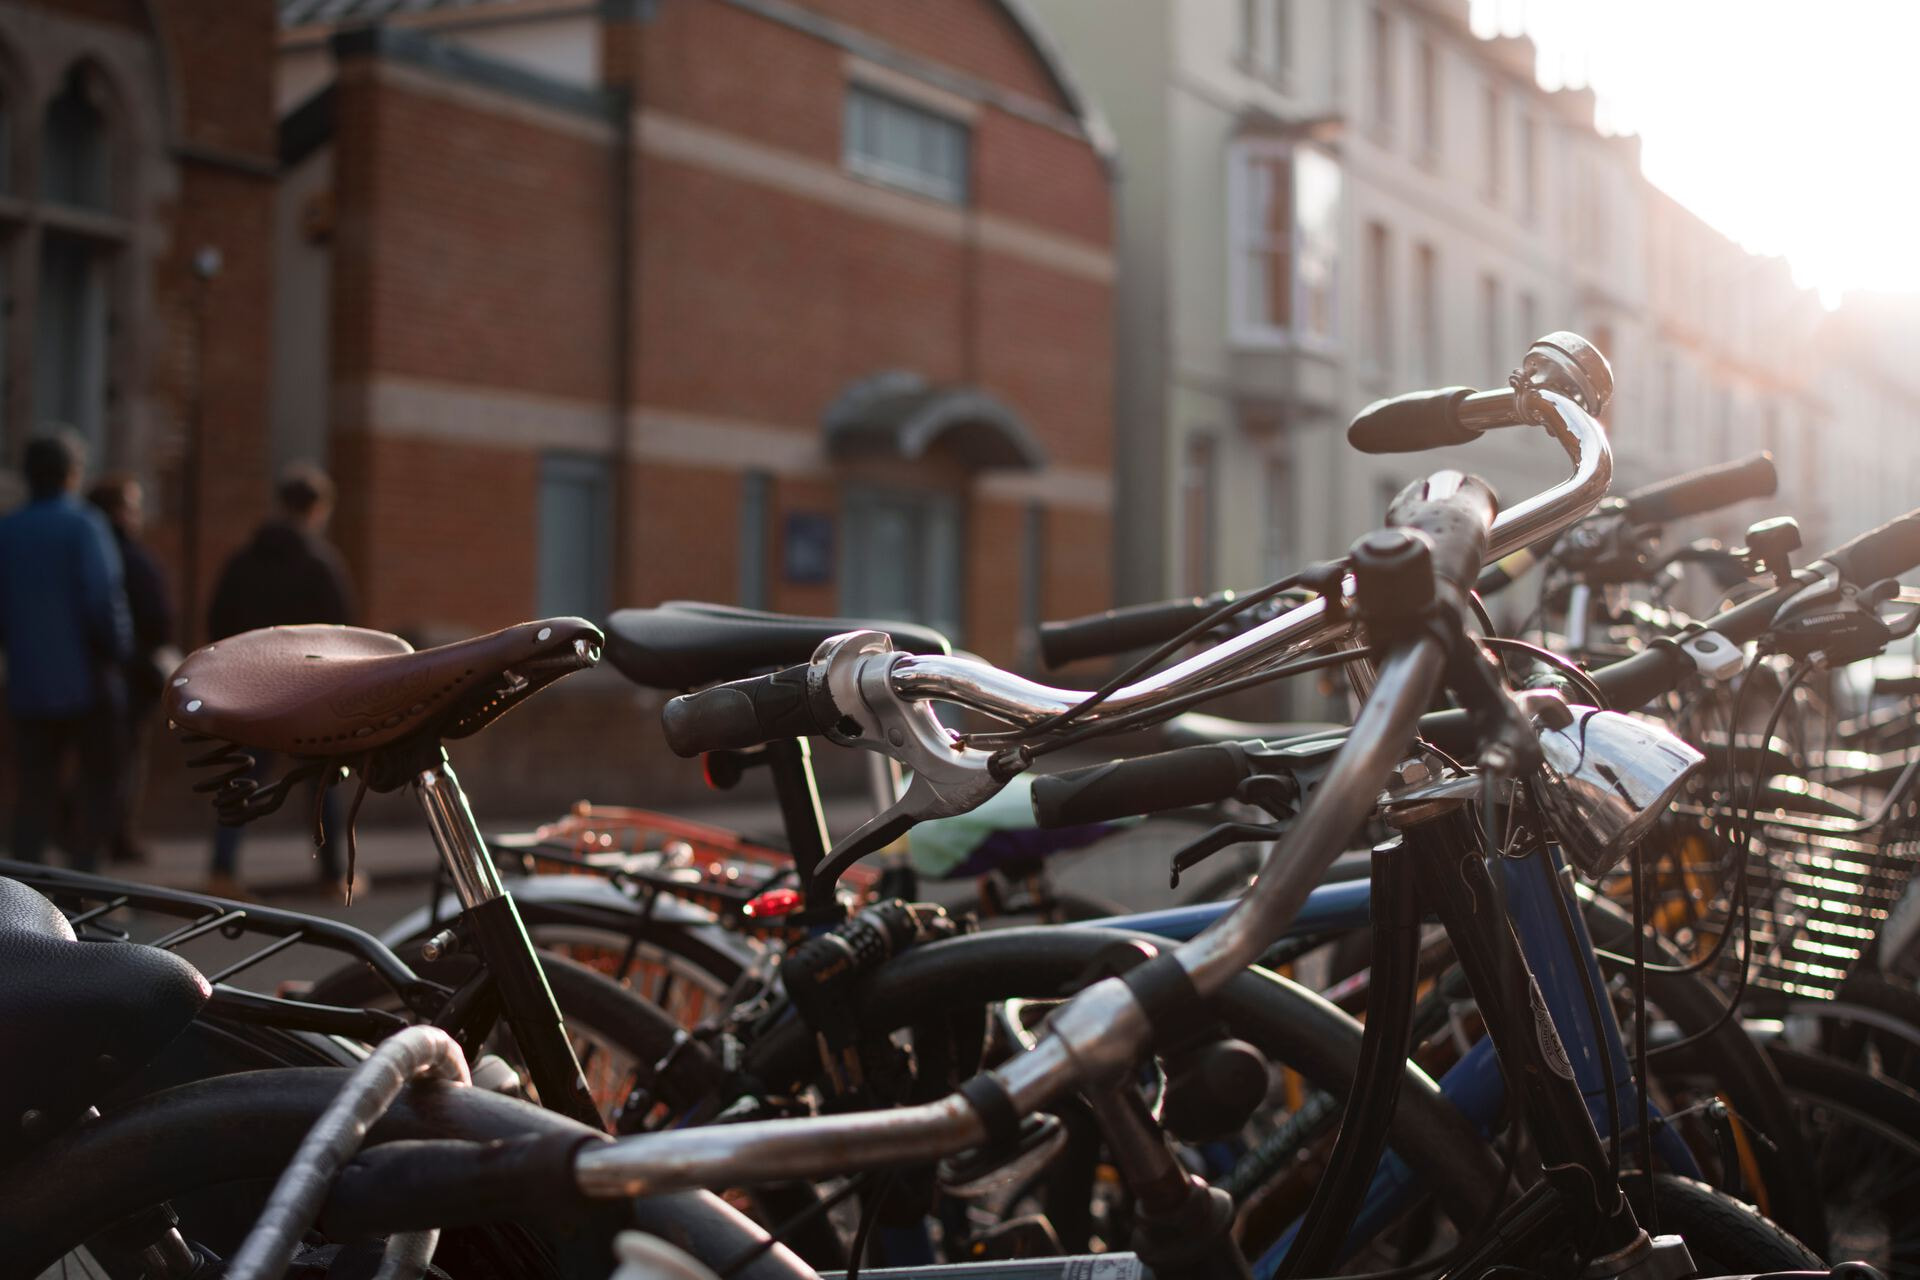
x=1474, y=1084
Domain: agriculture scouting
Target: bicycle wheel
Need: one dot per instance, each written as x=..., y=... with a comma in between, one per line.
x=613, y=1031
x=1865, y=1133
x=212, y=1150
x=1292, y=1028
x=1724, y=1235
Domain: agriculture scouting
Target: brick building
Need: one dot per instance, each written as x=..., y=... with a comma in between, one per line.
x=137, y=181
x=801, y=305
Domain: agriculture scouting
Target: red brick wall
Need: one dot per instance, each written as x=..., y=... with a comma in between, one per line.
x=480, y=243
x=440, y=536
x=683, y=527
x=222, y=67
x=978, y=38
x=761, y=305
x=209, y=343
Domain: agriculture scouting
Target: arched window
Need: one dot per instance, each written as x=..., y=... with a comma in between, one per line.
x=76, y=147
x=73, y=312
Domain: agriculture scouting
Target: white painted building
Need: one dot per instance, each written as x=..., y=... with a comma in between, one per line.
x=1328, y=201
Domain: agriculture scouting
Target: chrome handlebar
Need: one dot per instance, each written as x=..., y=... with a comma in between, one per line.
x=1020, y=701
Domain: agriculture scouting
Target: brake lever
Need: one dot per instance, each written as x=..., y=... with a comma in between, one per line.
x=949, y=778
x=1198, y=850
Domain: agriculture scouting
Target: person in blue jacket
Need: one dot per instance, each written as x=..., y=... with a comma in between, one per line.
x=66, y=632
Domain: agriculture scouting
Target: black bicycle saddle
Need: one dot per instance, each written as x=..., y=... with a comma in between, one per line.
x=684, y=643
x=76, y=1018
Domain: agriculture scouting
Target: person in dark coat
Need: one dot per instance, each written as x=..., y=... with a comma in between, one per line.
x=121, y=500
x=287, y=573
x=64, y=626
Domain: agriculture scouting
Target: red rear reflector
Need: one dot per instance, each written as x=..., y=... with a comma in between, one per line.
x=773, y=904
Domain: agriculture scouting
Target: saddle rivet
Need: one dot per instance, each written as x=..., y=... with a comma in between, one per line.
x=194, y=705
x=30, y=1119
x=546, y=633
x=363, y=731
x=179, y=681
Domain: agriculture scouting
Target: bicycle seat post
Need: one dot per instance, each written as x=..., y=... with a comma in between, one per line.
x=512, y=963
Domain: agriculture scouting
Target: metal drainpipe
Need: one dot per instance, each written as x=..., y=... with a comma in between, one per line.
x=625, y=352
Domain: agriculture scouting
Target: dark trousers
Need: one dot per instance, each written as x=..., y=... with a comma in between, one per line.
x=226, y=840
x=65, y=764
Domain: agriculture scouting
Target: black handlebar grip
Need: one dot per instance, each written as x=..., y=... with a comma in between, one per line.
x=1707, y=489
x=1137, y=626
x=794, y=703
x=1407, y=424
x=1178, y=779
x=1454, y=516
x=1886, y=552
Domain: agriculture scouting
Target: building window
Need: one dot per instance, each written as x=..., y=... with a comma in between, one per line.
x=1378, y=269
x=1281, y=554
x=1529, y=168
x=1429, y=98
x=756, y=520
x=76, y=159
x=904, y=145
x=1380, y=69
x=1493, y=346
x=1266, y=37
x=70, y=331
x=575, y=537
x=1284, y=206
x=1529, y=316
x=1199, y=503
x=901, y=557
x=1426, y=313
x=1493, y=144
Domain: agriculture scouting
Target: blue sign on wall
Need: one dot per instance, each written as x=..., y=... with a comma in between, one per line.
x=806, y=556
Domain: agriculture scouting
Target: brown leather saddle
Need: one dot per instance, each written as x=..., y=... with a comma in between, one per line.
x=325, y=692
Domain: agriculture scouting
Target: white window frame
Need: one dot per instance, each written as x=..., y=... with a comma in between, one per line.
x=900, y=177
x=1245, y=331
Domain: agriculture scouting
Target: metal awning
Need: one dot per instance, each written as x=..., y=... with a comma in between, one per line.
x=901, y=415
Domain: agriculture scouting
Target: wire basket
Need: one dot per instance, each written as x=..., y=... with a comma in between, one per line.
x=1820, y=893
x=1820, y=890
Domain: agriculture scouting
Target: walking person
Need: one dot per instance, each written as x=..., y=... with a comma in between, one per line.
x=65, y=629
x=287, y=573
x=122, y=501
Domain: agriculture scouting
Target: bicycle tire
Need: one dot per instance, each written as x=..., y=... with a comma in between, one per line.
x=605, y=1015
x=232, y=1135
x=1725, y=1235
x=1884, y=1115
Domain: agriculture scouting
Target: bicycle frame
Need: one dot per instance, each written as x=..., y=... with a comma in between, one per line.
x=1475, y=1084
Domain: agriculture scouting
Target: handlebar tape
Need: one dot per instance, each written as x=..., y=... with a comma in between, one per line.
x=794, y=703
x=1178, y=779
x=1886, y=552
x=1412, y=422
x=1137, y=626
x=1707, y=489
x=1455, y=519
